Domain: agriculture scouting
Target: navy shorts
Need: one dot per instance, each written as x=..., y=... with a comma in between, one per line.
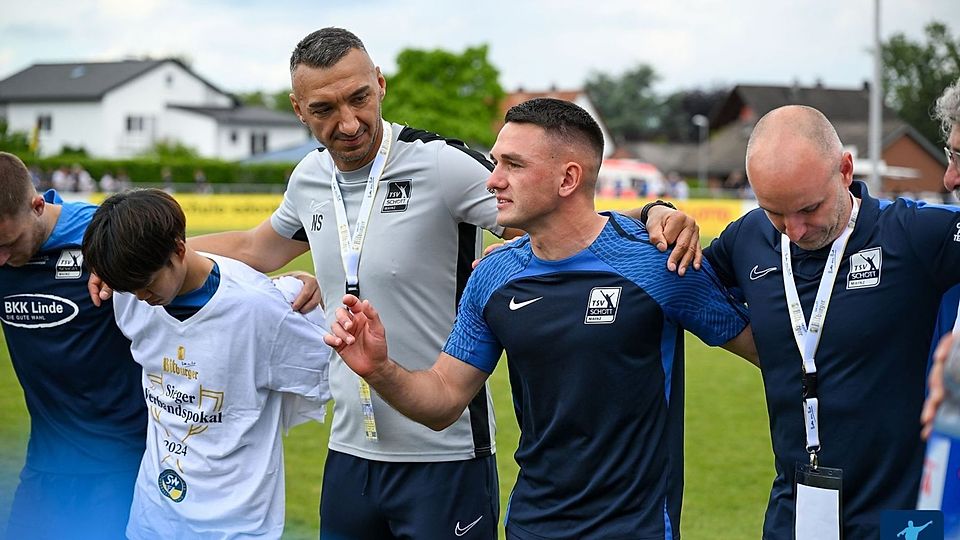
x=58, y=506
x=376, y=500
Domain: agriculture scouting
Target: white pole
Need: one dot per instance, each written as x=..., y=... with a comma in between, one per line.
x=703, y=123
x=876, y=107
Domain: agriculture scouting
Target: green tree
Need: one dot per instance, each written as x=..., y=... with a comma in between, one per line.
x=916, y=73
x=627, y=103
x=456, y=95
x=13, y=141
x=278, y=101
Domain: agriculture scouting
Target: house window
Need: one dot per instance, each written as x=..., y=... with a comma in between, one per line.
x=45, y=123
x=258, y=143
x=169, y=80
x=234, y=137
x=136, y=124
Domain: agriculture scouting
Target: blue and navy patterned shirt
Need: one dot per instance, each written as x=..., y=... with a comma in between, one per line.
x=595, y=352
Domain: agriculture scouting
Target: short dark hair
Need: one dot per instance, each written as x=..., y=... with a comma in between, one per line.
x=324, y=48
x=16, y=186
x=562, y=119
x=132, y=236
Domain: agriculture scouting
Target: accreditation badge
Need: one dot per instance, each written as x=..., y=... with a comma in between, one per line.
x=818, y=503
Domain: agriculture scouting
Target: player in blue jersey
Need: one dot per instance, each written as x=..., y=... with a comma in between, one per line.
x=851, y=400
x=591, y=321
x=80, y=384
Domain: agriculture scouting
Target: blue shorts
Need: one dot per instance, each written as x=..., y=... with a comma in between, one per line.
x=58, y=506
x=376, y=500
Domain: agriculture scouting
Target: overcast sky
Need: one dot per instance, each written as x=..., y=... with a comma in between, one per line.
x=244, y=45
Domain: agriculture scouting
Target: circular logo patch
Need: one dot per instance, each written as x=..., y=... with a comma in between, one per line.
x=172, y=485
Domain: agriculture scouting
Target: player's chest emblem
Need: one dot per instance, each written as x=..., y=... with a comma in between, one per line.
x=602, y=305
x=398, y=197
x=69, y=264
x=865, y=268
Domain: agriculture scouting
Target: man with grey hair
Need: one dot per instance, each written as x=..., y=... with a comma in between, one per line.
x=947, y=111
x=820, y=264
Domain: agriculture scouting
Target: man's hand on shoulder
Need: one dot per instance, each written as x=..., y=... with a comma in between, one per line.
x=310, y=296
x=99, y=291
x=670, y=227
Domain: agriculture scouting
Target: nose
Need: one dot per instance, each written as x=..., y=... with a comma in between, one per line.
x=496, y=180
x=794, y=227
x=349, y=124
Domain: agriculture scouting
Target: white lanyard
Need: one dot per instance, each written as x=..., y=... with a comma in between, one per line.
x=350, y=247
x=808, y=337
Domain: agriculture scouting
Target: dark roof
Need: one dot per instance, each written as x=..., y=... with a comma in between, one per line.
x=260, y=116
x=837, y=104
x=728, y=146
x=79, y=81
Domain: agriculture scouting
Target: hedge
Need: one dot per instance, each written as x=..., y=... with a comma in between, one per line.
x=182, y=169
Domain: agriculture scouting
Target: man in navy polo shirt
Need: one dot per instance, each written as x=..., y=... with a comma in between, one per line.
x=843, y=291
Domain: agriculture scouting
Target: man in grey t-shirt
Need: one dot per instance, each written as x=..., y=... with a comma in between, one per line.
x=391, y=212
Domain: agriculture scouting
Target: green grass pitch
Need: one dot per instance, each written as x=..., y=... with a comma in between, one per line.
x=729, y=464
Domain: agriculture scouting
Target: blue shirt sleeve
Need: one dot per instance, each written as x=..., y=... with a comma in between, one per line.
x=701, y=304
x=471, y=339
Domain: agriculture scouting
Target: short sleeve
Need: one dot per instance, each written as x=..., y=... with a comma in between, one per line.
x=471, y=339
x=463, y=176
x=285, y=220
x=299, y=361
x=701, y=304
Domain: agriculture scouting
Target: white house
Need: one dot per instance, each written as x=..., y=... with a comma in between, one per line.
x=119, y=109
x=578, y=97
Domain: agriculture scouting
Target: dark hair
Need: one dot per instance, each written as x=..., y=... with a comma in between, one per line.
x=132, y=236
x=16, y=186
x=324, y=48
x=562, y=119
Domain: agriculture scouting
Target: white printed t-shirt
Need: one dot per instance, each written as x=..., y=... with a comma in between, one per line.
x=215, y=387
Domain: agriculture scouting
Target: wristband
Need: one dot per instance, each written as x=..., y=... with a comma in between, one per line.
x=646, y=209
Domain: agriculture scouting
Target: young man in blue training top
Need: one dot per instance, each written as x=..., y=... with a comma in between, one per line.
x=81, y=387
x=592, y=323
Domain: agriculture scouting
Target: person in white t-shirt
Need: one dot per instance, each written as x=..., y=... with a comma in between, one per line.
x=226, y=365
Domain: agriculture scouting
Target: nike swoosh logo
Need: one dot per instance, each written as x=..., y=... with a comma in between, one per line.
x=460, y=532
x=514, y=305
x=315, y=206
x=757, y=274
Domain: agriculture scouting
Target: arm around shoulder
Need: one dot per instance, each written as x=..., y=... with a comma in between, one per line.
x=261, y=247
